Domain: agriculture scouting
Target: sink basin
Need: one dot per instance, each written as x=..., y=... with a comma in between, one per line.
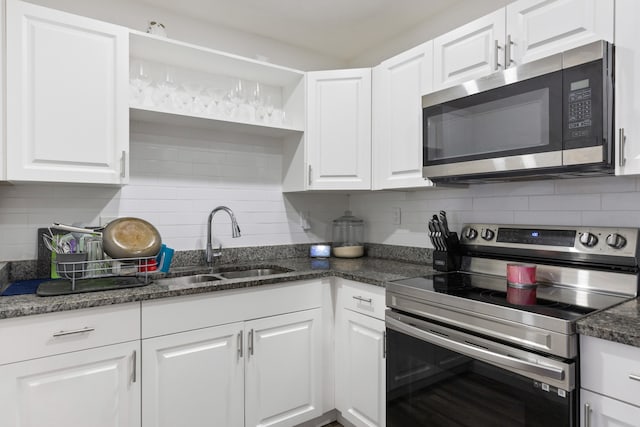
x=223, y=273
x=253, y=272
x=189, y=280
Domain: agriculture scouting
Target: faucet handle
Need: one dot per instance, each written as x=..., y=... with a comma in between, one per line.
x=218, y=252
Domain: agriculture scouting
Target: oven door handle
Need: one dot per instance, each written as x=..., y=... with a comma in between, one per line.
x=476, y=352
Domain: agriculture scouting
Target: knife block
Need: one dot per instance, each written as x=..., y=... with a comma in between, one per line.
x=448, y=260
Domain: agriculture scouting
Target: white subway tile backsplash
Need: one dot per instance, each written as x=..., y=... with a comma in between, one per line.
x=513, y=203
x=622, y=201
x=565, y=202
x=616, y=184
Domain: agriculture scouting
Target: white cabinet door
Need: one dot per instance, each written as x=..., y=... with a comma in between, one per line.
x=3, y=146
x=603, y=411
x=283, y=369
x=398, y=86
x=360, y=368
x=338, y=127
x=67, y=97
x=98, y=388
x=468, y=52
x=539, y=28
x=194, y=378
x=627, y=97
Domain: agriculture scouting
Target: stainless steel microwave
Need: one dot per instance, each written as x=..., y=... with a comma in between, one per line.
x=547, y=118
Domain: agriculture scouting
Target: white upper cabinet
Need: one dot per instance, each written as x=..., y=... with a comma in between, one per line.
x=398, y=86
x=468, y=52
x=67, y=97
x=539, y=28
x=627, y=97
x=523, y=31
x=338, y=132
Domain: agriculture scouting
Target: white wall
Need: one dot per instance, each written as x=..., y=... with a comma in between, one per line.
x=427, y=30
x=177, y=177
x=604, y=201
x=135, y=15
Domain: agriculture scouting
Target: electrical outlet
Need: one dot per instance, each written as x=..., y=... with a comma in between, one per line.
x=304, y=220
x=396, y=216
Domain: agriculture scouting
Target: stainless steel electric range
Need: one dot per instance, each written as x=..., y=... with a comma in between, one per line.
x=460, y=354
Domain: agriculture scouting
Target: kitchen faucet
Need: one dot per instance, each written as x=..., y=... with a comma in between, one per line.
x=235, y=232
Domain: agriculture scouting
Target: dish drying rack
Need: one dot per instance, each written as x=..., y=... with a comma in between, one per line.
x=74, y=270
x=82, y=272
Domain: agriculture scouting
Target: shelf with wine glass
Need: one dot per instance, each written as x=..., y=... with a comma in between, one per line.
x=177, y=83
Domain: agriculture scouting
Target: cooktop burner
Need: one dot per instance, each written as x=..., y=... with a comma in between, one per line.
x=553, y=301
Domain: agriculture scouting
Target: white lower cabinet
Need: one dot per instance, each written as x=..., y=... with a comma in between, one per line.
x=610, y=383
x=194, y=378
x=242, y=358
x=283, y=369
x=99, y=387
x=255, y=373
x=360, y=354
x=603, y=411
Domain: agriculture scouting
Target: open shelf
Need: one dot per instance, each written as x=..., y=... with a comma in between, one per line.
x=193, y=57
x=153, y=115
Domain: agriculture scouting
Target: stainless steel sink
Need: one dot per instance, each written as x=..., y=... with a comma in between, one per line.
x=189, y=280
x=223, y=273
x=253, y=272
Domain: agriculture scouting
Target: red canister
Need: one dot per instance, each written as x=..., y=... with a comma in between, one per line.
x=524, y=274
x=521, y=284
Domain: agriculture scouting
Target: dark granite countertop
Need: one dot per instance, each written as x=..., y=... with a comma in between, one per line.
x=374, y=271
x=619, y=324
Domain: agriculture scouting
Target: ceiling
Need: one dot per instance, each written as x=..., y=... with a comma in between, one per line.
x=338, y=28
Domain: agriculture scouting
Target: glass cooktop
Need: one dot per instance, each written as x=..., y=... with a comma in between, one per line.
x=555, y=301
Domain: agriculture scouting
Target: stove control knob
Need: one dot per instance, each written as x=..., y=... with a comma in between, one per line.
x=616, y=241
x=487, y=234
x=588, y=239
x=470, y=233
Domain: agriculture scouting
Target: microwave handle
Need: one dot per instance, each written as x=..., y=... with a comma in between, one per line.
x=622, y=139
x=496, y=54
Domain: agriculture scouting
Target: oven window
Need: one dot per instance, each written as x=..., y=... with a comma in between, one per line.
x=431, y=386
x=521, y=118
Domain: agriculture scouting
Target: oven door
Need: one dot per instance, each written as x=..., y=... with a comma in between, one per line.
x=439, y=377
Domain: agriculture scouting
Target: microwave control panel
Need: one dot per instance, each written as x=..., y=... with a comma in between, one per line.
x=579, y=106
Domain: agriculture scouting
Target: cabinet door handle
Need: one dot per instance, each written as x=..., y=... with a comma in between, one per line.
x=496, y=56
x=240, y=344
x=250, y=340
x=384, y=345
x=73, y=332
x=123, y=164
x=634, y=377
x=134, y=371
x=622, y=140
x=309, y=177
x=363, y=299
x=587, y=415
x=507, y=52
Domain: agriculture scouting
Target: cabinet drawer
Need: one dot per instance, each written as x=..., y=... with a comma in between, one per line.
x=610, y=368
x=47, y=334
x=173, y=315
x=361, y=298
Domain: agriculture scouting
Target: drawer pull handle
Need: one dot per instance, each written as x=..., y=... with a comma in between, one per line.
x=73, y=332
x=362, y=299
x=634, y=377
